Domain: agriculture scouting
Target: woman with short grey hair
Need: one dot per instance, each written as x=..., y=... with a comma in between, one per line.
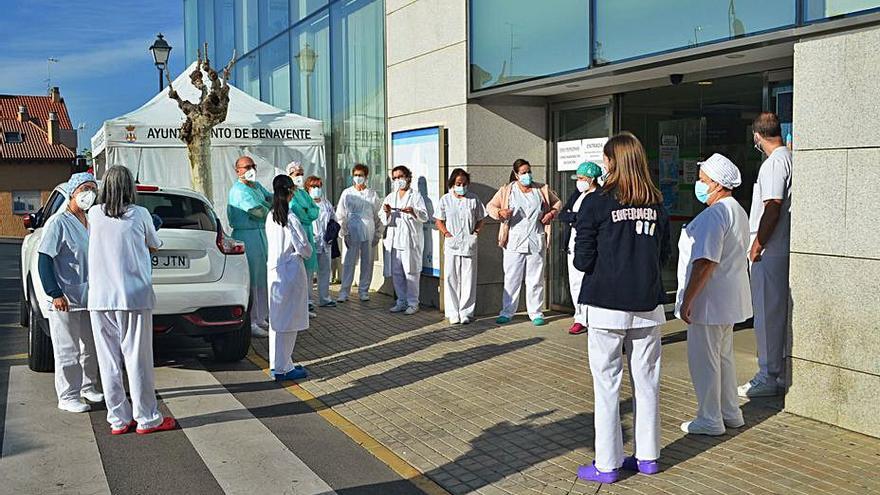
x=121, y=300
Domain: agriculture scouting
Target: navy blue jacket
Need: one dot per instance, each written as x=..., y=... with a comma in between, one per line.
x=621, y=249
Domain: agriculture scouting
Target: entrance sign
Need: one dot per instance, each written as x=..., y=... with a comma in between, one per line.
x=570, y=154
x=423, y=152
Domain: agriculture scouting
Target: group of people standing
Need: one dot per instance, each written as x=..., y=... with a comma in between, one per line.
x=94, y=264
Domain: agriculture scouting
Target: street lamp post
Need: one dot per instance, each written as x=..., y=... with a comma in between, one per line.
x=160, y=49
x=306, y=60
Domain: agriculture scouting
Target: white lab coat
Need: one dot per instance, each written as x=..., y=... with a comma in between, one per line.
x=358, y=215
x=461, y=216
x=286, y=275
x=403, y=231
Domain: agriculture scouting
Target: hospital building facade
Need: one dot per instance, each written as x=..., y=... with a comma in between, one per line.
x=507, y=79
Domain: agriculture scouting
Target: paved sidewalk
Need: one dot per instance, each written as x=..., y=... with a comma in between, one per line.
x=494, y=410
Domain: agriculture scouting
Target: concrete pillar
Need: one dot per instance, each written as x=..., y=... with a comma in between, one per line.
x=835, y=242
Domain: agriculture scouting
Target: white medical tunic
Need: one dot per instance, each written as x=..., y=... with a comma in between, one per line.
x=720, y=234
x=66, y=240
x=461, y=215
x=286, y=272
x=774, y=182
x=121, y=274
x=527, y=234
x=357, y=213
x=405, y=232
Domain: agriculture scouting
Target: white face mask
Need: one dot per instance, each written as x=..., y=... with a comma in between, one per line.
x=398, y=184
x=582, y=185
x=316, y=192
x=358, y=179
x=299, y=180
x=250, y=175
x=85, y=199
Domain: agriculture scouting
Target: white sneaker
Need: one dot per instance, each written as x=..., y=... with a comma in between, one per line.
x=92, y=395
x=734, y=423
x=695, y=428
x=256, y=331
x=465, y=320
x=397, y=308
x=312, y=314
x=411, y=310
x=454, y=321
x=74, y=406
x=755, y=388
x=365, y=297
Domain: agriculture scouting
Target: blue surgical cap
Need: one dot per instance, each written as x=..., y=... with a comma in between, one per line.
x=79, y=179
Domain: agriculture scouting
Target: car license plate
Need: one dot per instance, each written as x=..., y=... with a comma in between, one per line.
x=170, y=261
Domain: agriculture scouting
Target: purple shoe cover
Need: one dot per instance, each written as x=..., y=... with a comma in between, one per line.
x=590, y=473
x=645, y=467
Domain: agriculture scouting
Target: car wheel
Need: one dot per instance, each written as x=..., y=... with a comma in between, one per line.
x=40, y=356
x=234, y=345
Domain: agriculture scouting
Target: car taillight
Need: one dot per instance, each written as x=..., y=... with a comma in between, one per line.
x=143, y=188
x=237, y=312
x=26, y=220
x=228, y=245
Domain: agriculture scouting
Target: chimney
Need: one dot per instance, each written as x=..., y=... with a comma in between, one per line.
x=52, y=130
x=55, y=94
x=23, y=114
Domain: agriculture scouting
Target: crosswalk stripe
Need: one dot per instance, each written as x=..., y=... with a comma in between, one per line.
x=241, y=453
x=41, y=442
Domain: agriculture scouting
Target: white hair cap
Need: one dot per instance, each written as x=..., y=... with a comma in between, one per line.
x=294, y=166
x=720, y=169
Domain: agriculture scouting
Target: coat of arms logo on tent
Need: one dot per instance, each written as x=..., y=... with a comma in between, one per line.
x=130, y=135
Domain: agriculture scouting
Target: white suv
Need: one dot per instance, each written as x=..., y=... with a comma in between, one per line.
x=200, y=276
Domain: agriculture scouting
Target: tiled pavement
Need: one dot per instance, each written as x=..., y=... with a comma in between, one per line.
x=495, y=410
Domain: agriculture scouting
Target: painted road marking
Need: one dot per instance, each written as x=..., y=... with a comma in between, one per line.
x=243, y=455
x=362, y=438
x=41, y=442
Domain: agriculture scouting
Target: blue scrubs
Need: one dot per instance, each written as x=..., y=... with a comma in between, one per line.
x=251, y=230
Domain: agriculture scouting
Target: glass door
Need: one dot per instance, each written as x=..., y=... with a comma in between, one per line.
x=570, y=122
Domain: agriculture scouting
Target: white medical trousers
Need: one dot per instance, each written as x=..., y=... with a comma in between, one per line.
x=575, y=279
x=517, y=265
x=406, y=286
x=126, y=338
x=459, y=286
x=281, y=346
x=364, y=252
x=259, y=303
x=76, y=365
x=713, y=373
x=606, y=364
x=323, y=279
x=770, y=297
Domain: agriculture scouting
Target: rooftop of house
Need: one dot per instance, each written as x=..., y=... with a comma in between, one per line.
x=36, y=127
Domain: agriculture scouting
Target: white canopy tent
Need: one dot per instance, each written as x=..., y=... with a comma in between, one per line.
x=147, y=142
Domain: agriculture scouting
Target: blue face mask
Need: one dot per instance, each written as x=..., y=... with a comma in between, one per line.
x=701, y=191
x=525, y=179
x=460, y=190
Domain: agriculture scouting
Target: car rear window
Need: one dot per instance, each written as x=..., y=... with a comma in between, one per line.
x=179, y=212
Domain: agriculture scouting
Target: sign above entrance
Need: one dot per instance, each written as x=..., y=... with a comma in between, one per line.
x=570, y=154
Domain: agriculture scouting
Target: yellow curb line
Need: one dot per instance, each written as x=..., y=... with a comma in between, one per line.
x=14, y=357
x=362, y=438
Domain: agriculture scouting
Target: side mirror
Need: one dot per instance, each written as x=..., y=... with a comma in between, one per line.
x=29, y=221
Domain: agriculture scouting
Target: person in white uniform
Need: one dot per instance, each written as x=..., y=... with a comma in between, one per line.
x=770, y=230
x=459, y=218
x=121, y=300
x=525, y=209
x=403, y=215
x=586, y=176
x=622, y=242
x=315, y=188
x=63, y=270
x=713, y=295
x=289, y=247
x=358, y=215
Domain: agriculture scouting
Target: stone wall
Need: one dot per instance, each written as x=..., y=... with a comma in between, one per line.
x=835, y=261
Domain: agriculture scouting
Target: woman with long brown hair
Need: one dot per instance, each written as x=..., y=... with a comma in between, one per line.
x=622, y=242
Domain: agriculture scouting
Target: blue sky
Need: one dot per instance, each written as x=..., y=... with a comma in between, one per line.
x=104, y=67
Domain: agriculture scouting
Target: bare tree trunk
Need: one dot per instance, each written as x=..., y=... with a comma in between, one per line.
x=199, y=151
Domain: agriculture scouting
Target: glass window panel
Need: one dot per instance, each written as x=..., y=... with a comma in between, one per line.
x=634, y=28
x=358, y=69
x=300, y=9
x=273, y=18
x=206, y=26
x=310, y=58
x=190, y=29
x=246, y=30
x=275, y=72
x=247, y=75
x=820, y=9
x=513, y=40
x=224, y=30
